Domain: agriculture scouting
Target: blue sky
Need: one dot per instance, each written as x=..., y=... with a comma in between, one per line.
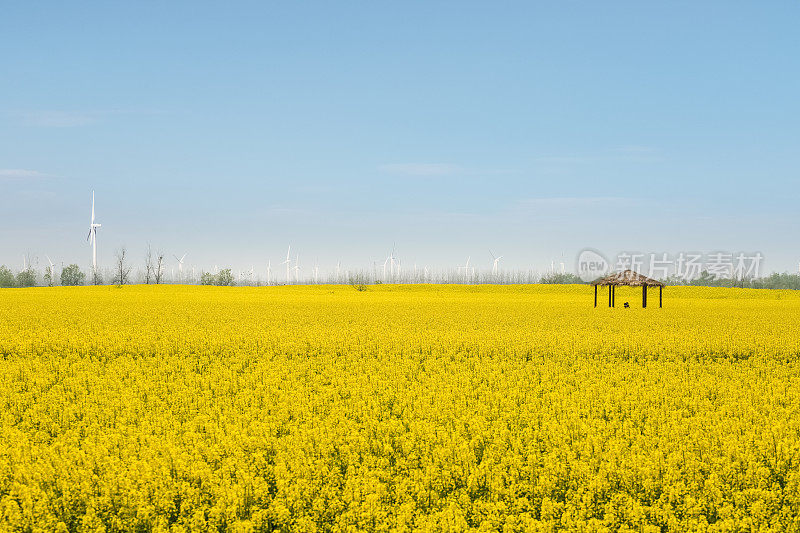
x=229, y=130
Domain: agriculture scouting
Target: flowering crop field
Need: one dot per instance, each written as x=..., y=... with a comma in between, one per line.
x=400, y=408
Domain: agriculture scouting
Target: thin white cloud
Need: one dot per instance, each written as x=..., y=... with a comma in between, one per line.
x=314, y=189
x=56, y=119
x=283, y=211
x=22, y=174
x=420, y=169
x=577, y=201
x=627, y=153
x=48, y=118
x=635, y=149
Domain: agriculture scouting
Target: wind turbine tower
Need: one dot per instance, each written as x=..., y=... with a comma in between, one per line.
x=180, y=264
x=495, y=263
x=466, y=270
x=288, y=264
x=391, y=261
x=92, y=238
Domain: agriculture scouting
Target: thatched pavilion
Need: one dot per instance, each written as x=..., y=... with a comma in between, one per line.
x=630, y=279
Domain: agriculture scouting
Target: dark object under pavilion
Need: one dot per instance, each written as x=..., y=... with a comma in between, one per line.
x=630, y=279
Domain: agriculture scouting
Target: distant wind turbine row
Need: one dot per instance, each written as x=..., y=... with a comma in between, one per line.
x=391, y=266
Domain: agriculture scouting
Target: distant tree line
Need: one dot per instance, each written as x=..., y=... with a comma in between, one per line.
x=223, y=278
x=776, y=280
x=560, y=278
x=70, y=275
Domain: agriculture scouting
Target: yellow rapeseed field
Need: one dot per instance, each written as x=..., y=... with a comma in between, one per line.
x=401, y=408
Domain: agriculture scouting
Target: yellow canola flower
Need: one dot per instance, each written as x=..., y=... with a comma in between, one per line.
x=400, y=408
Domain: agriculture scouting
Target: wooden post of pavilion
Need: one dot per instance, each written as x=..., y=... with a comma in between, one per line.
x=644, y=296
x=595, y=295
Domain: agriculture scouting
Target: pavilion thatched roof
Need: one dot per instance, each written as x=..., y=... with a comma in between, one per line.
x=628, y=277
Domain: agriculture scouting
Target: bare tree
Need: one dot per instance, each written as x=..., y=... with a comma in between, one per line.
x=123, y=269
x=30, y=261
x=148, y=264
x=158, y=271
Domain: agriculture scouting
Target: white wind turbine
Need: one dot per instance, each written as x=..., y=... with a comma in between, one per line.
x=52, y=271
x=269, y=272
x=466, y=269
x=316, y=271
x=391, y=261
x=288, y=264
x=92, y=238
x=180, y=264
x=297, y=268
x=495, y=263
